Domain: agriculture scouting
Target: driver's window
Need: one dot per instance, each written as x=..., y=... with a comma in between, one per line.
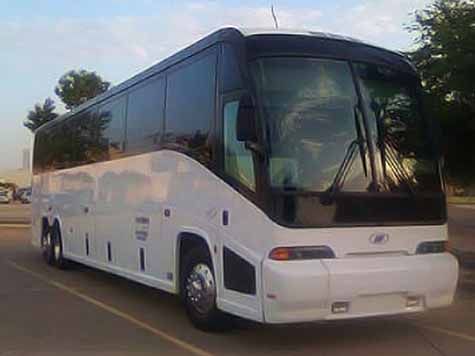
x=238, y=162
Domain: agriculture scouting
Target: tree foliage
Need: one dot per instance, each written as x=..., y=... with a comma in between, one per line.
x=445, y=58
x=40, y=115
x=76, y=87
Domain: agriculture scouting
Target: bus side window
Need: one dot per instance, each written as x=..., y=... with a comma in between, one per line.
x=112, y=123
x=145, y=116
x=190, y=107
x=238, y=162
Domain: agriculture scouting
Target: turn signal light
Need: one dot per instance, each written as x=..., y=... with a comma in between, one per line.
x=301, y=253
x=280, y=254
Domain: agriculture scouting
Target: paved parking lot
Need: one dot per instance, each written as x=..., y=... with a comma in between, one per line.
x=15, y=213
x=44, y=311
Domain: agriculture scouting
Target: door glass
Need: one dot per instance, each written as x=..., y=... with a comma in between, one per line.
x=238, y=161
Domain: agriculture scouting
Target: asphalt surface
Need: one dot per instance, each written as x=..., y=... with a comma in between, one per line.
x=462, y=227
x=15, y=213
x=81, y=311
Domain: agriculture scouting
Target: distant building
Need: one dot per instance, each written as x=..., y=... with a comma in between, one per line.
x=26, y=159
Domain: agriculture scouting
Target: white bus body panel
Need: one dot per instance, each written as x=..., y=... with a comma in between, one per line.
x=306, y=290
x=123, y=202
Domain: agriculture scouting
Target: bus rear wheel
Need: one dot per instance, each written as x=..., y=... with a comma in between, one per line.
x=198, y=292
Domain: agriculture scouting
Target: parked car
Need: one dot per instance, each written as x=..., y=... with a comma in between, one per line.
x=25, y=197
x=4, y=197
x=19, y=192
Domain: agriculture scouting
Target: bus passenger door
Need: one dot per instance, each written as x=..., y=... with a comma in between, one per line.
x=241, y=266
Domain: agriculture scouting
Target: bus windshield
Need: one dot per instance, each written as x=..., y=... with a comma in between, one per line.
x=405, y=154
x=316, y=131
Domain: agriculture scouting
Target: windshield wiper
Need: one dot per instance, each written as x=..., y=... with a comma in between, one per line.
x=397, y=167
x=361, y=140
x=347, y=162
x=387, y=155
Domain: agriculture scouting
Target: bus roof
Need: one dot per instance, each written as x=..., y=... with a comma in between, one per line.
x=246, y=32
x=224, y=34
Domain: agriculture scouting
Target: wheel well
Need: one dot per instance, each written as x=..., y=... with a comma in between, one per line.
x=56, y=225
x=46, y=227
x=186, y=242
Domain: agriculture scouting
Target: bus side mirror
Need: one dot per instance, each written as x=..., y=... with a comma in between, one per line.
x=246, y=121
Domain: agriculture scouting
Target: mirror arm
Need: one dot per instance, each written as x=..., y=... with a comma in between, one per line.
x=255, y=147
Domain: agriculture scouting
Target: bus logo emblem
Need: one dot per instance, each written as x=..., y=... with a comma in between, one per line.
x=379, y=238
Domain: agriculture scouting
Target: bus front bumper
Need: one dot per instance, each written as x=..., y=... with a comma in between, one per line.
x=302, y=291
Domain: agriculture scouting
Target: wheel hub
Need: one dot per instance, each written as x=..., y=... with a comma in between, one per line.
x=201, y=288
x=47, y=241
x=57, y=251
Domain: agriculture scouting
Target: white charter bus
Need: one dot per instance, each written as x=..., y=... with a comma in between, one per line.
x=279, y=176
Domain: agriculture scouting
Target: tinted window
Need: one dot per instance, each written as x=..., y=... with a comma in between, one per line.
x=190, y=107
x=65, y=145
x=112, y=115
x=238, y=161
x=230, y=71
x=80, y=140
x=404, y=144
x=41, y=151
x=53, y=148
x=72, y=142
x=145, y=116
x=313, y=119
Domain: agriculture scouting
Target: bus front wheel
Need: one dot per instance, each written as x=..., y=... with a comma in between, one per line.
x=198, y=292
x=47, y=247
x=57, y=244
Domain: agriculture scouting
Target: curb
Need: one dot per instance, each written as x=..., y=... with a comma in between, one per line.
x=15, y=223
x=15, y=226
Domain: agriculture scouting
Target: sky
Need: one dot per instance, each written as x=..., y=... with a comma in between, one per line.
x=41, y=40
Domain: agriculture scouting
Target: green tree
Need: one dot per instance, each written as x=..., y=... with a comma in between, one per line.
x=41, y=114
x=76, y=87
x=445, y=58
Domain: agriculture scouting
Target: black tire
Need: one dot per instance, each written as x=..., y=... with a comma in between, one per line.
x=58, y=259
x=47, y=246
x=212, y=319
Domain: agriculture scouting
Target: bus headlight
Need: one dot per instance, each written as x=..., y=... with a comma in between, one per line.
x=431, y=247
x=301, y=253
